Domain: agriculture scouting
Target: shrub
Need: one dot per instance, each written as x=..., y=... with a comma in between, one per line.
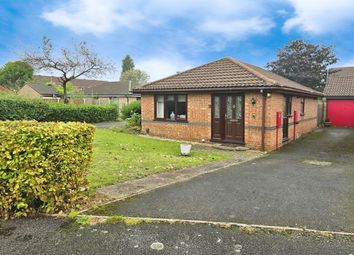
x=129, y=109
x=18, y=108
x=81, y=113
x=134, y=123
x=43, y=166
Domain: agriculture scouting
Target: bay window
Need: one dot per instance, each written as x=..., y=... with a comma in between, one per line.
x=171, y=107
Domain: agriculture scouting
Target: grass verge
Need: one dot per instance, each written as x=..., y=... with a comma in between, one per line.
x=119, y=157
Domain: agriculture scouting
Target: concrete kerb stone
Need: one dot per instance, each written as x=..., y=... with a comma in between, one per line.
x=324, y=233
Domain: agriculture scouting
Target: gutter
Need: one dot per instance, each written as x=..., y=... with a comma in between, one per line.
x=270, y=88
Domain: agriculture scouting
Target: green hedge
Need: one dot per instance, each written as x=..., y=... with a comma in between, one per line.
x=18, y=108
x=129, y=109
x=43, y=166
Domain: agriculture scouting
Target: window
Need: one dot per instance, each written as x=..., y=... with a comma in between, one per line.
x=302, y=108
x=160, y=107
x=171, y=107
x=181, y=107
x=217, y=107
x=287, y=105
x=239, y=107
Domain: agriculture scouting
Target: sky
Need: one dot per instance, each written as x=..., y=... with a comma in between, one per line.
x=168, y=36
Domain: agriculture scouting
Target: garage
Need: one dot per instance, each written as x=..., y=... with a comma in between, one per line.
x=339, y=92
x=341, y=112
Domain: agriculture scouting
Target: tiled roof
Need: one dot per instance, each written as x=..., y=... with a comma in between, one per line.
x=81, y=83
x=43, y=89
x=340, y=82
x=110, y=89
x=224, y=74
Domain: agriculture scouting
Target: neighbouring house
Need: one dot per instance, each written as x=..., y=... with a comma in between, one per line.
x=117, y=91
x=91, y=91
x=339, y=92
x=38, y=90
x=229, y=101
x=82, y=84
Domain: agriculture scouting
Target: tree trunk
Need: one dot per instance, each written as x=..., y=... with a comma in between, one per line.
x=65, y=94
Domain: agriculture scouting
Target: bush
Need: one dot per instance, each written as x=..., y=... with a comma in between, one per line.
x=81, y=113
x=43, y=166
x=133, y=124
x=129, y=109
x=18, y=108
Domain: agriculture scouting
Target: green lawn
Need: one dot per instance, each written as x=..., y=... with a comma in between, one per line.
x=119, y=157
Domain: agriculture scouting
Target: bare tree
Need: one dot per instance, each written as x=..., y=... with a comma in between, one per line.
x=71, y=64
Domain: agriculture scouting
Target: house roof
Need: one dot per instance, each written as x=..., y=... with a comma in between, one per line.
x=225, y=74
x=114, y=88
x=81, y=83
x=340, y=82
x=43, y=89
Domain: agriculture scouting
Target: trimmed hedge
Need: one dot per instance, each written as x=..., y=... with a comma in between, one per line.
x=129, y=109
x=18, y=108
x=43, y=166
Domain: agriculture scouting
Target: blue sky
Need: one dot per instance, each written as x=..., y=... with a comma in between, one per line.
x=166, y=36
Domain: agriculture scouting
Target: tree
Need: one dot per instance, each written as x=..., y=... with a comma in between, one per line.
x=136, y=76
x=14, y=75
x=70, y=63
x=71, y=90
x=127, y=64
x=304, y=63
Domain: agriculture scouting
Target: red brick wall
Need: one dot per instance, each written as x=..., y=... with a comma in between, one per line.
x=307, y=123
x=199, y=119
x=198, y=127
x=253, y=120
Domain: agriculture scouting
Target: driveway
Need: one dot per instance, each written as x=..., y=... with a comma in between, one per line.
x=309, y=183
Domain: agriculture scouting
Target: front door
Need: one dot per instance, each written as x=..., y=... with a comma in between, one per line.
x=286, y=116
x=228, y=118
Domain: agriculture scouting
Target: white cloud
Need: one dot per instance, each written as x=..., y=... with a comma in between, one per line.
x=93, y=16
x=320, y=17
x=229, y=18
x=164, y=65
x=238, y=29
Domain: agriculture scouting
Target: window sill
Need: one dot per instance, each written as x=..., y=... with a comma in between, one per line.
x=171, y=121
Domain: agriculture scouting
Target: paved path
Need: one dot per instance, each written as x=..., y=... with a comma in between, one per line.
x=293, y=187
x=110, y=124
x=56, y=236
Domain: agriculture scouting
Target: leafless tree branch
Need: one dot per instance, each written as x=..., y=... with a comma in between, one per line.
x=71, y=63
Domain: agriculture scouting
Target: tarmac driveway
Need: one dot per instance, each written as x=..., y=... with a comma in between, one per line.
x=307, y=183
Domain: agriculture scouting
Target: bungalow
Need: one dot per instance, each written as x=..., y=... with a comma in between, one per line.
x=229, y=101
x=91, y=91
x=38, y=90
x=119, y=91
x=339, y=92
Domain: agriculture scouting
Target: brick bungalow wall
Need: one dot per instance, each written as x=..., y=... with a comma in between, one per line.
x=306, y=124
x=199, y=119
x=198, y=127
